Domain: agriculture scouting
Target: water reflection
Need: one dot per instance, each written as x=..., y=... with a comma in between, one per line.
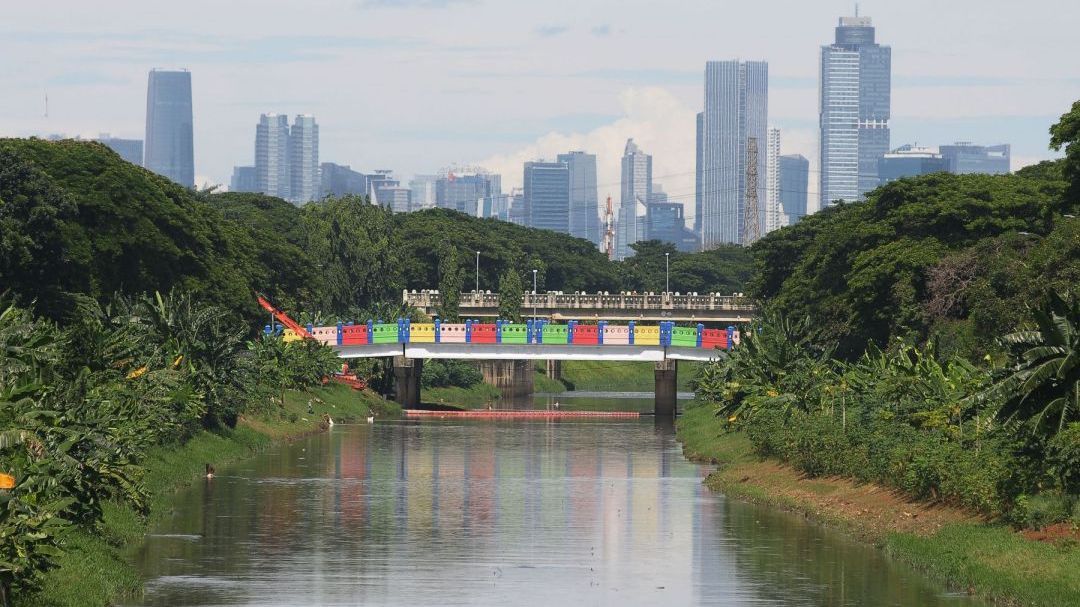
x=482, y=513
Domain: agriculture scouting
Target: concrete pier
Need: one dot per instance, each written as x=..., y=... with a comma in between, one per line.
x=513, y=377
x=665, y=401
x=407, y=381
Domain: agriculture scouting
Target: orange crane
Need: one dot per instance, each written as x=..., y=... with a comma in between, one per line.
x=282, y=317
x=344, y=376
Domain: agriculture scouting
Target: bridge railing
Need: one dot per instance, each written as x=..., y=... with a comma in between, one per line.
x=590, y=301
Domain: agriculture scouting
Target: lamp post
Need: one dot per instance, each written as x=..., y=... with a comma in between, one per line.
x=478, y=275
x=667, y=272
x=534, y=296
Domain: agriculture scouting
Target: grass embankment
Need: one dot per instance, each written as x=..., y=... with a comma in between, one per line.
x=96, y=569
x=477, y=395
x=601, y=375
x=947, y=544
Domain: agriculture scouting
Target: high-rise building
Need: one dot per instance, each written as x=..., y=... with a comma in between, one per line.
x=854, y=110
x=910, y=161
x=468, y=192
x=244, y=179
x=272, y=171
x=637, y=185
x=423, y=191
x=130, y=150
x=547, y=195
x=736, y=110
x=391, y=194
x=340, y=180
x=794, y=184
x=304, y=183
x=518, y=213
x=773, y=212
x=170, y=147
x=584, y=209
x=964, y=157
x=699, y=169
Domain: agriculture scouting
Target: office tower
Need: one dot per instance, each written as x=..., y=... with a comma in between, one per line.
x=636, y=187
x=500, y=207
x=467, y=191
x=698, y=174
x=910, y=161
x=272, y=171
x=794, y=184
x=964, y=157
x=773, y=212
x=854, y=111
x=518, y=213
x=304, y=183
x=130, y=150
x=390, y=194
x=547, y=195
x=584, y=210
x=736, y=110
x=340, y=180
x=170, y=147
x=423, y=191
x=244, y=179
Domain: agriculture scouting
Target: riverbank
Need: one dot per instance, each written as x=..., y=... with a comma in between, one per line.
x=602, y=375
x=950, y=545
x=95, y=569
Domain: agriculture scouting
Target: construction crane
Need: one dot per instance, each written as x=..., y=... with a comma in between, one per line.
x=282, y=317
x=609, y=231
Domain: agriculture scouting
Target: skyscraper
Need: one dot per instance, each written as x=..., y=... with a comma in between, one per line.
x=340, y=180
x=469, y=192
x=910, y=161
x=244, y=180
x=698, y=175
x=272, y=172
x=547, y=195
x=130, y=150
x=794, y=183
x=584, y=212
x=736, y=110
x=773, y=212
x=304, y=183
x=964, y=157
x=636, y=187
x=423, y=191
x=170, y=148
x=854, y=110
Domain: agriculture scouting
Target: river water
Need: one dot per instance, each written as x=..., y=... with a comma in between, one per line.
x=500, y=513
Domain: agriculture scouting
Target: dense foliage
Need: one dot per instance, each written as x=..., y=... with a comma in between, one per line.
x=955, y=256
x=442, y=373
x=81, y=405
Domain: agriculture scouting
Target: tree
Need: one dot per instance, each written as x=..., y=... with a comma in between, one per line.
x=510, y=291
x=1066, y=134
x=450, y=278
x=1042, y=390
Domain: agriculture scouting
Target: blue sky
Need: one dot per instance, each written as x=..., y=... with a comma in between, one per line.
x=417, y=85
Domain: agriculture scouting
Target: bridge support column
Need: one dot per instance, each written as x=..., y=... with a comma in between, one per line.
x=407, y=381
x=514, y=378
x=665, y=402
x=554, y=369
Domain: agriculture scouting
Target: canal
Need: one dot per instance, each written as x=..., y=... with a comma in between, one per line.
x=439, y=512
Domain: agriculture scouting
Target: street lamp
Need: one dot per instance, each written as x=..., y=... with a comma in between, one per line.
x=534, y=296
x=478, y=274
x=667, y=272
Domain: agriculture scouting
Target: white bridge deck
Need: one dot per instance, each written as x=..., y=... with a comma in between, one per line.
x=470, y=351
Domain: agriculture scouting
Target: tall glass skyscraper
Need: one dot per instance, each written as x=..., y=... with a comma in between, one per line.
x=170, y=148
x=854, y=110
x=547, y=195
x=304, y=183
x=272, y=172
x=637, y=186
x=794, y=181
x=736, y=110
x=584, y=212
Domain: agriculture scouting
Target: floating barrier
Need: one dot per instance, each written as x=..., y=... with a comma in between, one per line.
x=523, y=414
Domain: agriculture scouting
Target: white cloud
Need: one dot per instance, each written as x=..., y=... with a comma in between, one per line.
x=657, y=121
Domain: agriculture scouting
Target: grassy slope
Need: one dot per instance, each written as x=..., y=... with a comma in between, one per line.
x=478, y=395
x=95, y=571
x=946, y=544
x=617, y=376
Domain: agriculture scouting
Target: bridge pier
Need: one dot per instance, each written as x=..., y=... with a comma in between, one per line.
x=665, y=403
x=407, y=373
x=514, y=378
x=554, y=369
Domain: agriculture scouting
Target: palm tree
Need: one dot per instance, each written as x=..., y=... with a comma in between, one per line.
x=1043, y=386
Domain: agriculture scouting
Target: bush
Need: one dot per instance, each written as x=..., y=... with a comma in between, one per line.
x=442, y=373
